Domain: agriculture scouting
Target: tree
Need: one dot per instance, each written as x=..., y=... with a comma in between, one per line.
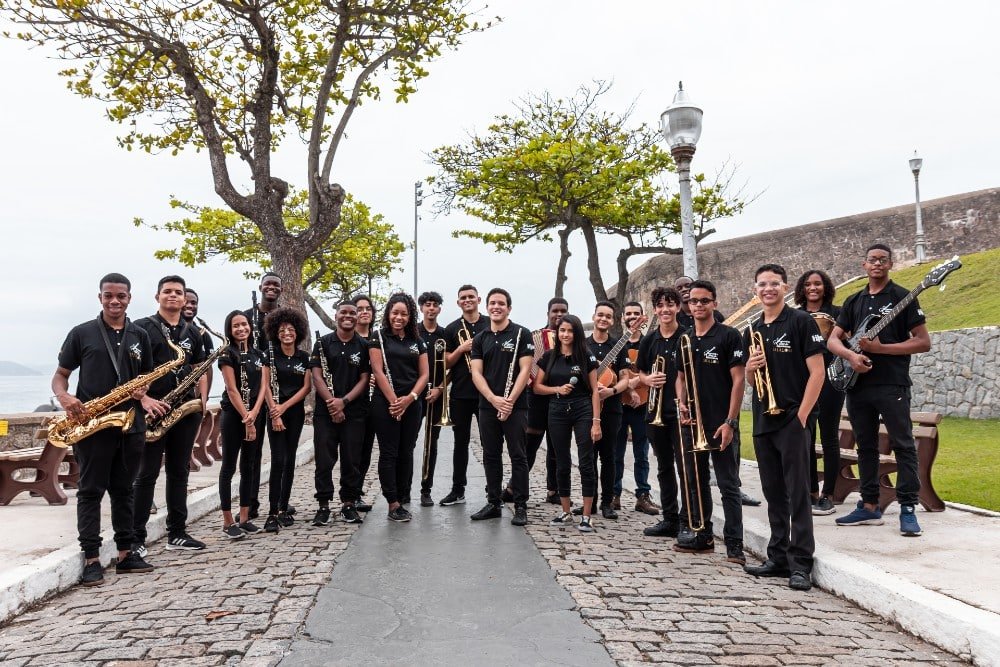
x=234, y=78
x=362, y=249
x=560, y=166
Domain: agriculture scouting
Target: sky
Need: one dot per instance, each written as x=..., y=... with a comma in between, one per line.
x=820, y=105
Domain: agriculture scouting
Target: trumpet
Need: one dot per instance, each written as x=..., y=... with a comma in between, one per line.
x=762, y=376
x=655, y=402
x=464, y=336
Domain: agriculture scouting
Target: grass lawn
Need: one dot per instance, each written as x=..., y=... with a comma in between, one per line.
x=968, y=461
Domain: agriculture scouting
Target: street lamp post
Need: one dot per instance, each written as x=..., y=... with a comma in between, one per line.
x=915, y=164
x=681, y=127
x=418, y=199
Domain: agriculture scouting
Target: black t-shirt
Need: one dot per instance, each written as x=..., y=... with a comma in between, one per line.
x=290, y=371
x=402, y=357
x=347, y=362
x=430, y=338
x=84, y=348
x=887, y=369
x=686, y=320
x=653, y=345
x=560, y=368
x=461, y=377
x=252, y=362
x=185, y=336
x=612, y=404
x=497, y=350
x=256, y=319
x=788, y=341
x=714, y=355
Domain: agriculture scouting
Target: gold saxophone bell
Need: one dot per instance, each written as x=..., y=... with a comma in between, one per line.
x=762, y=376
x=655, y=402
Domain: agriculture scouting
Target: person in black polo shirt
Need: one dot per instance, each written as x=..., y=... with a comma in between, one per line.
x=501, y=366
x=173, y=449
x=189, y=312
x=270, y=292
x=430, y=333
x=684, y=317
x=661, y=343
x=882, y=389
x=793, y=356
x=285, y=328
x=109, y=351
x=462, y=394
x=718, y=359
x=364, y=328
x=397, y=405
x=341, y=413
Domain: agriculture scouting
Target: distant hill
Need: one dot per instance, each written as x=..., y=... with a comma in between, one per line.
x=13, y=368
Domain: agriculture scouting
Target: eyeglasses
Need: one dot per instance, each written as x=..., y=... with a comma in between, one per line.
x=772, y=284
x=701, y=302
x=878, y=260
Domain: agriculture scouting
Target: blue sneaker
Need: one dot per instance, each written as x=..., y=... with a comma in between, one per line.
x=908, y=525
x=861, y=516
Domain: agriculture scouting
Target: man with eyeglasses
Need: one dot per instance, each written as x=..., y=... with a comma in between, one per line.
x=882, y=389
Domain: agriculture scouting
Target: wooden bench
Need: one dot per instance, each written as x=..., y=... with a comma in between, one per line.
x=925, y=435
x=45, y=461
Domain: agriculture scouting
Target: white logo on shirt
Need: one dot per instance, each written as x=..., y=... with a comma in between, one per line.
x=737, y=354
x=135, y=352
x=355, y=359
x=530, y=347
x=920, y=311
x=886, y=309
x=185, y=344
x=414, y=349
x=576, y=370
x=299, y=368
x=711, y=355
x=781, y=343
x=507, y=346
x=817, y=338
x=258, y=363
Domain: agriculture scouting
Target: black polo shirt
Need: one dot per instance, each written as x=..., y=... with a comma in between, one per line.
x=496, y=349
x=653, y=345
x=560, y=368
x=887, y=369
x=256, y=319
x=788, y=341
x=612, y=404
x=461, y=377
x=252, y=362
x=714, y=355
x=207, y=344
x=346, y=362
x=430, y=338
x=185, y=336
x=290, y=371
x=84, y=348
x=402, y=357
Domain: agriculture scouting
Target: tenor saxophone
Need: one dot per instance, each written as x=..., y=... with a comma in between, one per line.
x=64, y=431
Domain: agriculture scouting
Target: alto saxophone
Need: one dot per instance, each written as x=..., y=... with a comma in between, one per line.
x=65, y=431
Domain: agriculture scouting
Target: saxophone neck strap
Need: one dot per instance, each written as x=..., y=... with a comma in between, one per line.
x=117, y=358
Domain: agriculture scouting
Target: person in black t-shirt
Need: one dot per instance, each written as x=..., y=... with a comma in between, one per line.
x=717, y=358
x=289, y=372
x=109, y=351
x=882, y=388
x=501, y=366
x=538, y=409
x=173, y=449
x=634, y=420
x=684, y=317
x=814, y=292
x=270, y=292
x=568, y=374
x=793, y=357
x=341, y=413
x=364, y=328
x=397, y=405
x=189, y=312
x=431, y=333
x=463, y=398
x=246, y=376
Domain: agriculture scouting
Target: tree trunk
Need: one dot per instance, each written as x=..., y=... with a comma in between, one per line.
x=594, y=263
x=320, y=313
x=564, y=255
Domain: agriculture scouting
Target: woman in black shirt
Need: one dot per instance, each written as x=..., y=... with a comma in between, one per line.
x=398, y=352
x=242, y=423
x=569, y=373
x=285, y=328
x=814, y=292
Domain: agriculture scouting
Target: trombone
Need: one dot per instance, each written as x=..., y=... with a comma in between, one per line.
x=440, y=361
x=654, y=402
x=695, y=435
x=762, y=376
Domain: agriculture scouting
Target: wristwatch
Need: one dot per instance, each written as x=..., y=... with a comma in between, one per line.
x=345, y=400
x=414, y=397
x=733, y=424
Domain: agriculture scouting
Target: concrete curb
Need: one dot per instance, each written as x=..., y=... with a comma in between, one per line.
x=60, y=570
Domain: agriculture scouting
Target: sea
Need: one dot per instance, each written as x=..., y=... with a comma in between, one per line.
x=24, y=393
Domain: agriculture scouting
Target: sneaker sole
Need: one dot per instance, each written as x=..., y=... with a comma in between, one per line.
x=460, y=501
x=685, y=550
x=738, y=561
x=172, y=547
x=399, y=520
x=135, y=571
x=866, y=522
x=88, y=584
x=823, y=512
x=485, y=518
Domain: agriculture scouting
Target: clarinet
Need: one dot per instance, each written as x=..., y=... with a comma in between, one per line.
x=274, y=374
x=510, y=375
x=385, y=365
x=327, y=378
x=245, y=388
x=254, y=320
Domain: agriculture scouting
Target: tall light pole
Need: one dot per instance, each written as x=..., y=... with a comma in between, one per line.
x=915, y=164
x=681, y=127
x=418, y=199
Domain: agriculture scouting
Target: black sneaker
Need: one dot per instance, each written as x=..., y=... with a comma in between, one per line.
x=426, y=500
x=489, y=511
x=585, y=526
x=453, y=498
x=233, y=531
x=132, y=564
x=249, y=527
x=577, y=511
x=271, y=525
x=361, y=506
x=562, y=520
x=254, y=512
x=140, y=550
x=322, y=516
x=520, y=516
x=290, y=510
x=697, y=543
x=800, y=581
x=553, y=499
x=609, y=513
x=399, y=515
x=823, y=506
x=734, y=553
x=662, y=529
x=351, y=515
x=506, y=496
x=285, y=519
x=182, y=542
x=93, y=574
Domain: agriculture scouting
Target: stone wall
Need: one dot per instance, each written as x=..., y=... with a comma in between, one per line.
x=960, y=375
x=21, y=429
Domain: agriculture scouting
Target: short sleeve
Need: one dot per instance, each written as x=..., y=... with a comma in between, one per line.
x=734, y=345
x=422, y=345
x=527, y=348
x=375, y=342
x=845, y=319
x=592, y=363
x=226, y=359
x=913, y=315
x=69, y=353
x=477, y=348
x=813, y=342
x=314, y=360
x=643, y=362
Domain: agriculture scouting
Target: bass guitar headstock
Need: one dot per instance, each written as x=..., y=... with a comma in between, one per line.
x=939, y=272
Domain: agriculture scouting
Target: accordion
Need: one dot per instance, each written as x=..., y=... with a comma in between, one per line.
x=544, y=340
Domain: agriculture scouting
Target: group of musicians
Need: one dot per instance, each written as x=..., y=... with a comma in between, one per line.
x=684, y=379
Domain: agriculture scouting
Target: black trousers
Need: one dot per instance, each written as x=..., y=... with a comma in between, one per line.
x=493, y=433
x=173, y=451
x=666, y=446
x=892, y=403
x=396, y=442
x=345, y=440
x=727, y=477
x=571, y=418
x=284, y=444
x=538, y=419
x=605, y=463
x=783, y=463
x=246, y=452
x=829, y=404
x=432, y=415
x=367, y=446
x=109, y=462
x=462, y=412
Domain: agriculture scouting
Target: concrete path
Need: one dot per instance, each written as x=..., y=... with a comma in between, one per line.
x=443, y=590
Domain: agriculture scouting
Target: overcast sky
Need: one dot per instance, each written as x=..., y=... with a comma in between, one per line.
x=821, y=105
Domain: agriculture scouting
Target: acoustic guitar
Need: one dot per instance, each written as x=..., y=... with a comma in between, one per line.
x=605, y=374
